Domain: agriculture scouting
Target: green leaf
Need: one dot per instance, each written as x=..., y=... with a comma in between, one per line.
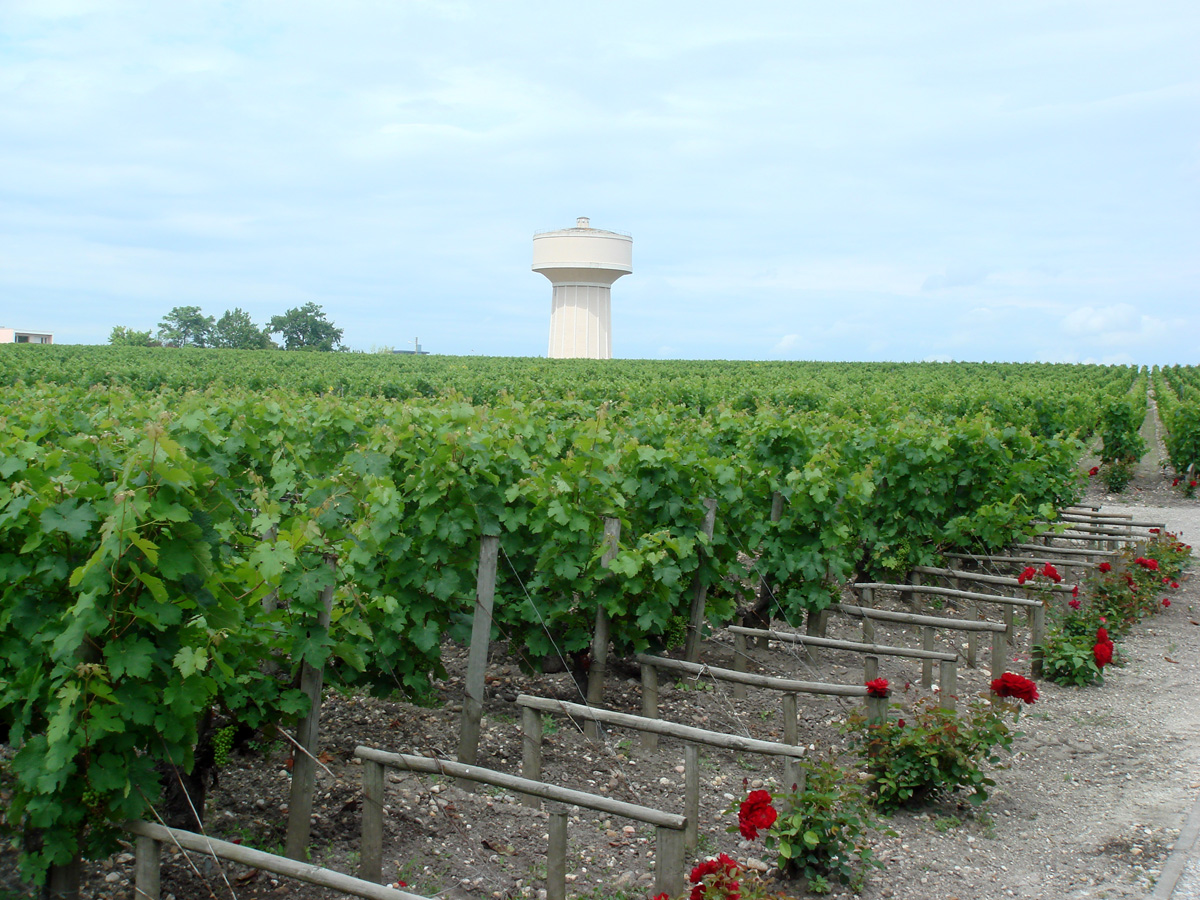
x=70, y=518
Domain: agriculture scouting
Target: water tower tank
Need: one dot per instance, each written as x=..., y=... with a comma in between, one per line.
x=582, y=263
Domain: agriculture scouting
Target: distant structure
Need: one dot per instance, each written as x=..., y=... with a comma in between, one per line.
x=18, y=336
x=416, y=350
x=582, y=263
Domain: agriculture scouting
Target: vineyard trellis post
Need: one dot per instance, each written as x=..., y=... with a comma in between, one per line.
x=481, y=636
x=599, y=667
x=691, y=650
x=304, y=765
x=763, y=605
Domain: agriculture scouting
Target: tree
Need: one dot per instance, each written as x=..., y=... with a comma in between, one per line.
x=306, y=328
x=127, y=337
x=236, y=331
x=186, y=326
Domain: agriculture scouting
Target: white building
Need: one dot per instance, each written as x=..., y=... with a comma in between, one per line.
x=20, y=336
x=582, y=263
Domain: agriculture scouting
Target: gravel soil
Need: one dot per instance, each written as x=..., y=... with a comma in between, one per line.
x=1099, y=784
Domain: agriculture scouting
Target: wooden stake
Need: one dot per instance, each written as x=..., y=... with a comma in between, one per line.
x=481, y=635
x=649, y=704
x=927, y=643
x=1038, y=637
x=531, y=752
x=599, y=666
x=668, y=861
x=691, y=796
x=304, y=762
x=948, y=682
x=146, y=871
x=763, y=606
x=695, y=632
x=371, y=862
x=740, y=650
x=556, y=857
x=999, y=654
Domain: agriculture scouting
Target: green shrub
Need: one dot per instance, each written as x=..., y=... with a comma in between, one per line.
x=928, y=751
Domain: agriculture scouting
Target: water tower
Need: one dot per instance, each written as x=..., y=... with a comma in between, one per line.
x=582, y=263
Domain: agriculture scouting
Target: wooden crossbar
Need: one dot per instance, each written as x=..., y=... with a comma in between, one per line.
x=531, y=761
x=668, y=867
x=1068, y=551
x=151, y=837
x=833, y=644
x=1020, y=560
x=948, y=592
x=983, y=578
x=947, y=662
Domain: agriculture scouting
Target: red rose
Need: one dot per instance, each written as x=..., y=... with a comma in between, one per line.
x=1166, y=602
x=1010, y=684
x=1050, y=572
x=900, y=723
x=1075, y=591
x=724, y=869
x=1094, y=470
x=1156, y=531
x=1028, y=573
x=1103, y=653
x=1175, y=584
x=1175, y=483
x=756, y=814
x=1074, y=604
x=878, y=687
x=1102, y=636
x=1192, y=484
x=1105, y=567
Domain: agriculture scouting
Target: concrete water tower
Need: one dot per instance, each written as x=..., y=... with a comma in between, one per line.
x=582, y=263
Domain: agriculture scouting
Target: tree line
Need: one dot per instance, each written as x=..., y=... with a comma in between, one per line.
x=301, y=328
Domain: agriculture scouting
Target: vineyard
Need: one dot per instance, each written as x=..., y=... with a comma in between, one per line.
x=182, y=532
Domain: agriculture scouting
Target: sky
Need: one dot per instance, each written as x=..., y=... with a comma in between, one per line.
x=1013, y=181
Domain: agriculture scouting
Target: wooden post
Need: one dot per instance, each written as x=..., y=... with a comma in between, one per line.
x=999, y=653
x=481, y=635
x=691, y=796
x=948, y=682
x=740, y=650
x=764, y=588
x=791, y=720
x=146, y=872
x=556, y=857
x=822, y=622
x=927, y=643
x=691, y=651
x=649, y=704
x=371, y=860
x=868, y=627
x=955, y=565
x=531, y=752
x=599, y=666
x=1010, y=625
x=1038, y=638
x=668, y=861
x=973, y=638
x=914, y=579
x=876, y=706
x=63, y=881
x=304, y=762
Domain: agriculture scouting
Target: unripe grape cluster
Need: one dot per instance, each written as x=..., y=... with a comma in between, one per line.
x=222, y=743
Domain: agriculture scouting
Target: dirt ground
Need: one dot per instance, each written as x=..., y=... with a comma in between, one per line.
x=1098, y=787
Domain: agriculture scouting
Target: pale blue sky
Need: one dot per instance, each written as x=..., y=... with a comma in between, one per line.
x=850, y=181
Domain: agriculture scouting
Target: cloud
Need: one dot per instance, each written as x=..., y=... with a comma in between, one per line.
x=785, y=343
